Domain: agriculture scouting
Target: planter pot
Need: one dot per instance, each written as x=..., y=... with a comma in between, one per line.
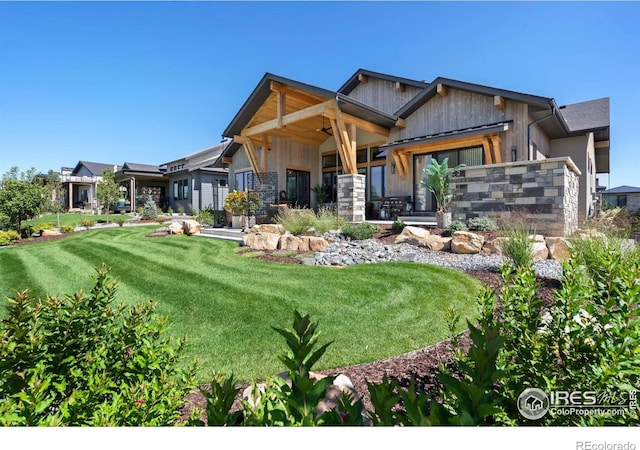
x=443, y=220
x=238, y=221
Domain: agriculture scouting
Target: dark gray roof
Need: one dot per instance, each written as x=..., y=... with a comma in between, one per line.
x=142, y=168
x=352, y=82
x=431, y=90
x=93, y=167
x=469, y=131
x=590, y=115
x=623, y=190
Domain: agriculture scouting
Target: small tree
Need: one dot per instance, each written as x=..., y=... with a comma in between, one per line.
x=55, y=193
x=107, y=191
x=150, y=210
x=438, y=180
x=21, y=200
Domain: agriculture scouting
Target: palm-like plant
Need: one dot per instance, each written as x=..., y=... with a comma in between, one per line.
x=438, y=180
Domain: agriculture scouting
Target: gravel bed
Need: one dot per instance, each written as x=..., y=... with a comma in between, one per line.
x=344, y=253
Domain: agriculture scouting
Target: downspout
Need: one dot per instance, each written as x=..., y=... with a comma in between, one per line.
x=551, y=114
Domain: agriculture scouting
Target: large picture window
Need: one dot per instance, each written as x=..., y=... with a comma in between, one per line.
x=376, y=183
x=181, y=189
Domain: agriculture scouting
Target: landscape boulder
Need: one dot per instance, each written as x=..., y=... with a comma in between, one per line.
x=274, y=228
x=262, y=241
x=494, y=246
x=176, y=228
x=466, y=242
x=412, y=235
x=49, y=233
x=315, y=243
x=435, y=242
x=289, y=242
x=191, y=227
x=558, y=248
x=539, y=247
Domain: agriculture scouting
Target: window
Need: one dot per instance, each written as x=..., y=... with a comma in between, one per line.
x=376, y=183
x=614, y=201
x=242, y=180
x=181, y=189
x=377, y=154
x=361, y=156
x=331, y=160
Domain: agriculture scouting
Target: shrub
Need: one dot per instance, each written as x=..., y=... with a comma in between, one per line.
x=170, y=211
x=84, y=360
x=87, y=223
x=43, y=226
x=120, y=220
x=150, y=210
x=327, y=219
x=8, y=237
x=482, y=224
x=361, y=231
x=140, y=209
x=296, y=221
x=518, y=247
x=398, y=225
x=456, y=225
x=205, y=217
x=181, y=210
x=67, y=228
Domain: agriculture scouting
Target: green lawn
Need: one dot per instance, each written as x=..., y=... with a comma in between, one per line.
x=227, y=302
x=69, y=219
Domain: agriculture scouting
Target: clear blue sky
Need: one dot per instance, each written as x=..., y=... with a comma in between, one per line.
x=148, y=82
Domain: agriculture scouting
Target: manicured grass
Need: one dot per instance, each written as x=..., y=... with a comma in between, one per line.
x=227, y=302
x=71, y=219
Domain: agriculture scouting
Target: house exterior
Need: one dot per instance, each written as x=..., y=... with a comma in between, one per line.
x=623, y=197
x=374, y=136
x=139, y=181
x=194, y=183
x=80, y=184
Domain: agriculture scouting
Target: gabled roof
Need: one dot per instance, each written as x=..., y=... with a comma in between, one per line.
x=93, y=167
x=260, y=94
x=142, y=168
x=431, y=90
x=353, y=82
x=623, y=190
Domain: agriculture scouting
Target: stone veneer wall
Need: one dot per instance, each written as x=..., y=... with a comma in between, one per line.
x=545, y=192
x=351, y=197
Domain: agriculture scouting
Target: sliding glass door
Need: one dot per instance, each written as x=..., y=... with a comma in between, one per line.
x=299, y=187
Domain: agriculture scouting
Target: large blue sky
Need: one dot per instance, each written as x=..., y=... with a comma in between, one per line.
x=149, y=82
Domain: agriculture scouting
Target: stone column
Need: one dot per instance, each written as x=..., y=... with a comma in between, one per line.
x=351, y=197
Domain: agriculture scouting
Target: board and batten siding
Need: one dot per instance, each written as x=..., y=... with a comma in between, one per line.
x=383, y=95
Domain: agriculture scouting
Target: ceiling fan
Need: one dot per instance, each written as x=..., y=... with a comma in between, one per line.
x=324, y=129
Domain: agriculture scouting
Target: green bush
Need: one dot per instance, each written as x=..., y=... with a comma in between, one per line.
x=482, y=224
x=43, y=226
x=361, y=231
x=26, y=231
x=205, y=217
x=398, y=225
x=67, y=228
x=84, y=360
x=327, y=219
x=296, y=221
x=518, y=247
x=150, y=210
x=456, y=225
x=87, y=223
x=8, y=237
x=120, y=220
x=181, y=210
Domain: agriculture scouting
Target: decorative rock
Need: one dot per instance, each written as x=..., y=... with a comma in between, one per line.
x=466, y=243
x=274, y=228
x=434, y=242
x=289, y=242
x=536, y=237
x=540, y=250
x=262, y=241
x=191, y=227
x=412, y=235
x=494, y=246
x=175, y=228
x=49, y=233
x=316, y=244
x=558, y=248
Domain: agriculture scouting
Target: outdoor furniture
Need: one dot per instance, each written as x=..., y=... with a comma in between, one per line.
x=392, y=207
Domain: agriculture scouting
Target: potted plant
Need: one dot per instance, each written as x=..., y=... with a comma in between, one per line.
x=322, y=193
x=438, y=180
x=240, y=204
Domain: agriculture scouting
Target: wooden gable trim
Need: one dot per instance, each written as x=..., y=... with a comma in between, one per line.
x=442, y=90
x=498, y=102
x=251, y=152
x=306, y=113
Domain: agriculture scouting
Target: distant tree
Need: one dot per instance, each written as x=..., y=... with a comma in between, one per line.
x=55, y=195
x=16, y=174
x=21, y=200
x=107, y=191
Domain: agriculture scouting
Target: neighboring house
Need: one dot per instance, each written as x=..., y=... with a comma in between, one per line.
x=623, y=197
x=194, y=183
x=80, y=184
x=139, y=181
x=374, y=136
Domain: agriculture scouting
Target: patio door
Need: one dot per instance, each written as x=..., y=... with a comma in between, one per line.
x=299, y=187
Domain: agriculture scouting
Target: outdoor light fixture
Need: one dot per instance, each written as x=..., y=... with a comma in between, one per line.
x=514, y=153
x=393, y=167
